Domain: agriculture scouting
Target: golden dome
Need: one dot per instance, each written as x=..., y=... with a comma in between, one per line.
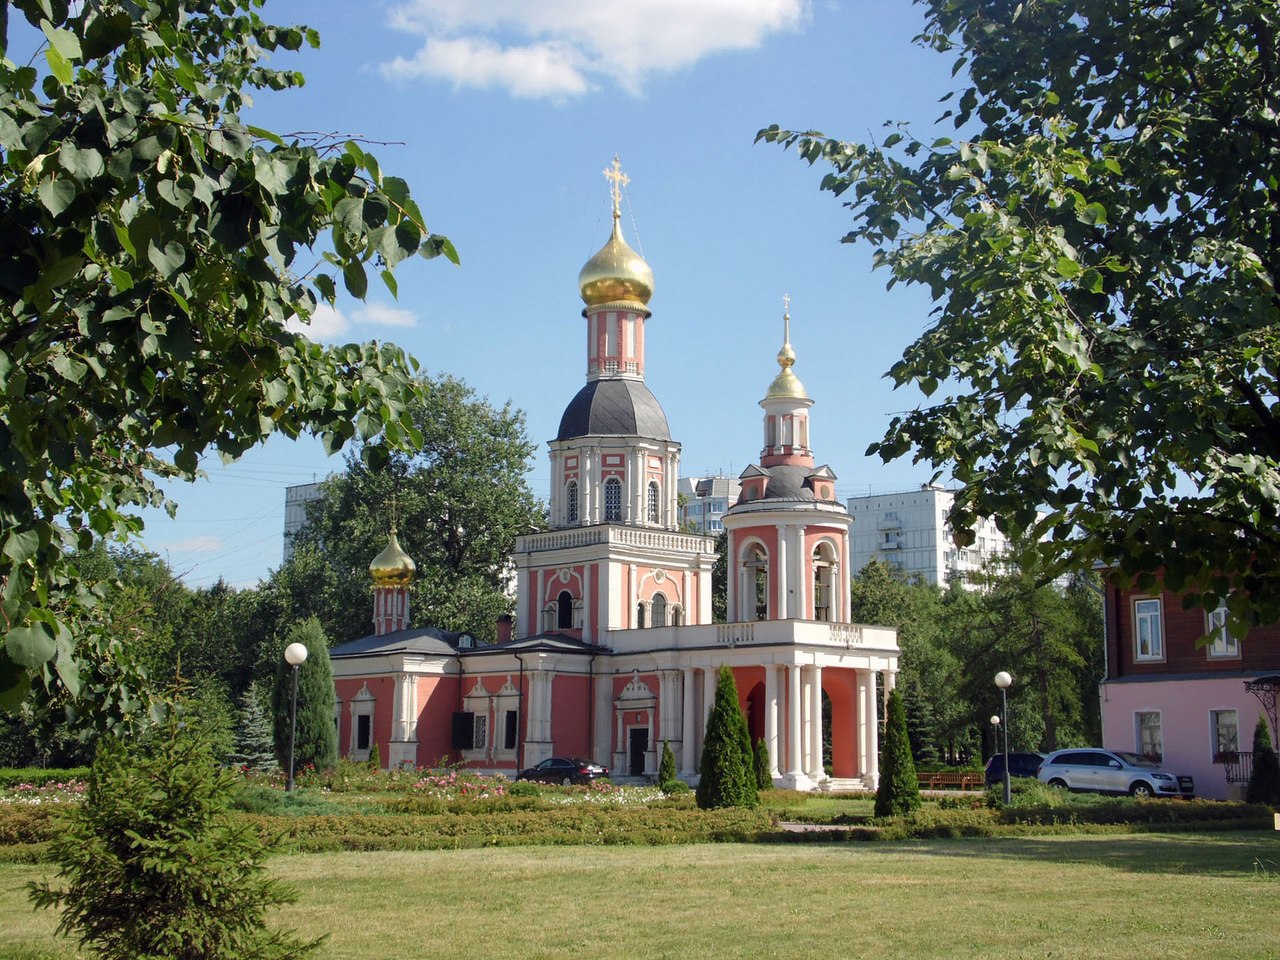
x=392, y=567
x=616, y=272
x=786, y=385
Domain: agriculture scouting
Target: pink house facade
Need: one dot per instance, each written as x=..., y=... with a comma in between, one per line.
x=1193, y=705
x=613, y=650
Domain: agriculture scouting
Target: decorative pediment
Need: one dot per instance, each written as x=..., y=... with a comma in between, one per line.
x=478, y=690
x=508, y=689
x=364, y=693
x=635, y=690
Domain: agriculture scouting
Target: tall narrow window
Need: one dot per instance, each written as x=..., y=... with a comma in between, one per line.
x=640, y=615
x=653, y=502
x=564, y=611
x=824, y=564
x=659, y=607
x=1148, y=631
x=1224, y=645
x=1150, y=741
x=1225, y=728
x=613, y=500
x=571, y=502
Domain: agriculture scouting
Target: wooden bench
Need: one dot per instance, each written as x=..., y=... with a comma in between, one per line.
x=951, y=780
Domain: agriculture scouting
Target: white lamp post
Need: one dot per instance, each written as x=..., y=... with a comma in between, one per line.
x=1004, y=680
x=295, y=654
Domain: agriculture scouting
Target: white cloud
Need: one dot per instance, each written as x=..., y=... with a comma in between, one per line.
x=331, y=324
x=559, y=48
x=194, y=545
x=384, y=315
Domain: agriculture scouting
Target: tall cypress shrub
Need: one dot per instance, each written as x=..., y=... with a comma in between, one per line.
x=726, y=775
x=317, y=738
x=1264, y=781
x=899, y=790
x=763, y=780
x=254, y=739
x=667, y=768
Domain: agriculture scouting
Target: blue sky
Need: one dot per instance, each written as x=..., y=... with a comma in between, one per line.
x=502, y=115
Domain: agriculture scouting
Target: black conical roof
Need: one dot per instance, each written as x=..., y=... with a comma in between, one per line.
x=614, y=408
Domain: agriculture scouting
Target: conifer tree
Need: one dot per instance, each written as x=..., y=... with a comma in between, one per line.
x=254, y=748
x=153, y=863
x=899, y=790
x=1264, y=781
x=763, y=780
x=317, y=739
x=667, y=767
x=726, y=776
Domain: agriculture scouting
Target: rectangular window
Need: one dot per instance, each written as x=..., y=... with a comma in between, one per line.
x=1224, y=727
x=1223, y=645
x=1148, y=630
x=509, y=722
x=1149, y=741
x=480, y=733
x=364, y=729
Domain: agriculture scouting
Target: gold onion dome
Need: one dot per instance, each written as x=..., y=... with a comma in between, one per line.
x=786, y=385
x=392, y=567
x=616, y=272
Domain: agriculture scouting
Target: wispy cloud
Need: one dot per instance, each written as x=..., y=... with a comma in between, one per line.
x=330, y=323
x=564, y=48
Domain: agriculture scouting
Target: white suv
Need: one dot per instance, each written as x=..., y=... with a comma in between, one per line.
x=1111, y=771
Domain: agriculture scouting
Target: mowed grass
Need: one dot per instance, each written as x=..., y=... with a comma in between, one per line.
x=1172, y=896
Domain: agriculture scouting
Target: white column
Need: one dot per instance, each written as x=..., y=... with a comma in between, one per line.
x=588, y=623
x=873, y=732
x=781, y=609
x=687, y=723
x=846, y=605
x=800, y=575
x=795, y=721
x=816, y=770
x=686, y=598
x=397, y=708
x=586, y=481
x=633, y=597
x=536, y=626
x=771, y=716
x=862, y=738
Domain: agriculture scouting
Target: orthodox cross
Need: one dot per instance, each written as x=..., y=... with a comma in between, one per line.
x=617, y=180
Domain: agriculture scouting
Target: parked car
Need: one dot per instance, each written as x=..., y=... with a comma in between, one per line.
x=1113, y=771
x=565, y=770
x=1020, y=765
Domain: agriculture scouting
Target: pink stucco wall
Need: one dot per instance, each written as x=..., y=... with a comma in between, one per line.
x=1184, y=707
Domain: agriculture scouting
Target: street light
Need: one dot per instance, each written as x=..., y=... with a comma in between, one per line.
x=295, y=654
x=1004, y=680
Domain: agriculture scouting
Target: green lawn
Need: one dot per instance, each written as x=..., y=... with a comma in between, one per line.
x=1168, y=896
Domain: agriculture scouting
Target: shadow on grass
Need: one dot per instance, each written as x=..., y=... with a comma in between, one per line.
x=1244, y=853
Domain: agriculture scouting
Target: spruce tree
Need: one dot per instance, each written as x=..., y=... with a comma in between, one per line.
x=317, y=738
x=254, y=748
x=1264, y=781
x=899, y=791
x=726, y=777
x=763, y=780
x=153, y=863
x=667, y=768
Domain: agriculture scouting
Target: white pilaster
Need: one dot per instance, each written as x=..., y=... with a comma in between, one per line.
x=781, y=609
x=795, y=723
x=588, y=621
x=771, y=717
x=816, y=770
x=687, y=725
x=873, y=734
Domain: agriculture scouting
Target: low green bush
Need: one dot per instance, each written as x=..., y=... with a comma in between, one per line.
x=525, y=788
x=29, y=823
x=255, y=798
x=1197, y=814
x=673, y=788
x=38, y=776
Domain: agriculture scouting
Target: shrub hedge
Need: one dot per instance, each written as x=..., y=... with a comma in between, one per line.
x=38, y=776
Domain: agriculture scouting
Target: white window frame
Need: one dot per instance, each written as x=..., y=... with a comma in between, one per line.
x=362, y=705
x=571, y=503
x=1223, y=646
x=653, y=502
x=1216, y=745
x=1139, y=745
x=613, y=511
x=1148, y=629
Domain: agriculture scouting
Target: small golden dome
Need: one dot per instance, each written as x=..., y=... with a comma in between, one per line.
x=615, y=273
x=786, y=385
x=392, y=567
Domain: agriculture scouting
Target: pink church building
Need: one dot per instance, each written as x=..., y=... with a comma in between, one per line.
x=613, y=650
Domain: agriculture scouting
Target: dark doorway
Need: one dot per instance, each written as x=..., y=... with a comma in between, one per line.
x=639, y=745
x=564, y=611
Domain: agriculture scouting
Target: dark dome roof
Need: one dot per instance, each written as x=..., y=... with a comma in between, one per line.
x=614, y=408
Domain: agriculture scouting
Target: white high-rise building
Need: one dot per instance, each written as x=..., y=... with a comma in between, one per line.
x=910, y=532
x=296, y=499
x=703, y=502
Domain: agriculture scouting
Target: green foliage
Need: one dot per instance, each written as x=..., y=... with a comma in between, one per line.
x=149, y=236
x=152, y=864
x=720, y=579
x=727, y=778
x=254, y=744
x=760, y=762
x=37, y=776
x=462, y=498
x=1264, y=781
x=316, y=743
x=666, y=767
x=375, y=758
x=898, y=792
x=1100, y=241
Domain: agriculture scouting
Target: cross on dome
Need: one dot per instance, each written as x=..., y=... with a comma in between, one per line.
x=617, y=180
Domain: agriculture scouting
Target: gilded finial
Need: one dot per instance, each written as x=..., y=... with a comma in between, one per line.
x=392, y=567
x=617, y=180
x=786, y=383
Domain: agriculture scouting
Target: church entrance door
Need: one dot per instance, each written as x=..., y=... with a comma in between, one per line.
x=639, y=745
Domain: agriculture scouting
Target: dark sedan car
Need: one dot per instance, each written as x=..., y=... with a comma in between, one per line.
x=1020, y=765
x=565, y=770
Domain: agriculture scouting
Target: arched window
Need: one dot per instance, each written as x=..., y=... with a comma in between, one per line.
x=824, y=566
x=564, y=611
x=571, y=502
x=677, y=615
x=640, y=615
x=613, y=500
x=753, y=584
x=653, y=501
x=659, y=609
